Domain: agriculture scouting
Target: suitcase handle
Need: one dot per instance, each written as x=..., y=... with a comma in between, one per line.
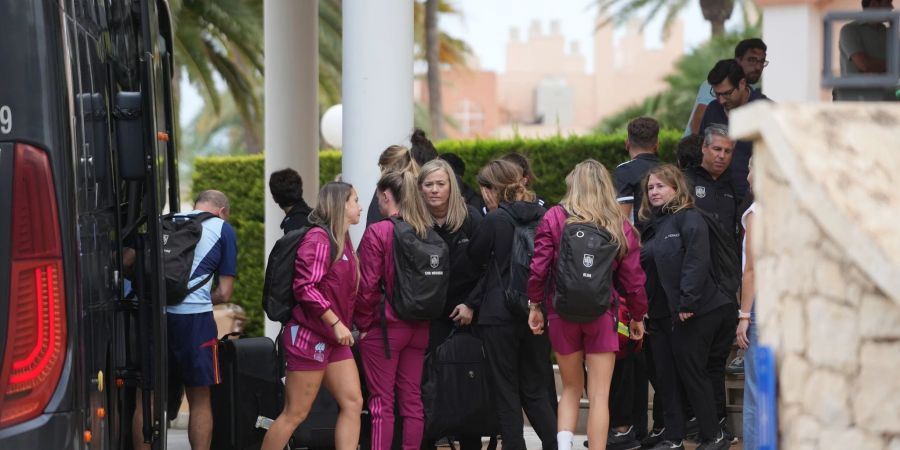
x=229, y=335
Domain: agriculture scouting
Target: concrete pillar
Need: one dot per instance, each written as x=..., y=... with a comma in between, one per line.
x=291, y=103
x=793, y=33
x=377, y=89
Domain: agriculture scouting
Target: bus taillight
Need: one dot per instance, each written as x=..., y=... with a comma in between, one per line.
x=36, y=332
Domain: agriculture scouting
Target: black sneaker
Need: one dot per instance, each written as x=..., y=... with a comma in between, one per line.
x=719, y=443
x=729, y=436
x=736, y=366
x=667, y=445
x=692, y=430
x=655, y=437
x=622, y=441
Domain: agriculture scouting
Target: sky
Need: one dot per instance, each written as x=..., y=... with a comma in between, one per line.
x=486, y=24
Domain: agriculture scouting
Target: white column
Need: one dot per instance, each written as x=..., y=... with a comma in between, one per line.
x=291, y=31
x=793, y=34
x=377, y=89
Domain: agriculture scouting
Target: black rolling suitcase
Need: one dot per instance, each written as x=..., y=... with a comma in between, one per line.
x=250, y=388
x=317, y=431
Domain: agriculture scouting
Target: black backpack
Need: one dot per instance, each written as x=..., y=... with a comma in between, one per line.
x=421, y=273
x=584, y=272
x=724, y=258
x=180, y=235
x=516, y=295
x=278, y=291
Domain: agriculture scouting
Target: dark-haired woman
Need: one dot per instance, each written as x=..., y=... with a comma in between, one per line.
x=515, y=356
x=317, y=338
x=688, y=312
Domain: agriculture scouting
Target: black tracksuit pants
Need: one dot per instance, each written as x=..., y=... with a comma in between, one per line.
x=515, y=359
x=700, y=347
x=628, y=392
x=650, y=369
x=668, y=382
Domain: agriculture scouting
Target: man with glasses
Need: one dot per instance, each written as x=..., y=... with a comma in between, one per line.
x=751, y=55
x=731, y=89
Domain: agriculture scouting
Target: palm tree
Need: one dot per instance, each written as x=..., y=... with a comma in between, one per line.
x=435, y=106
x=716, y=12
x=437, y=48
x=223, y=40
x=330, y=59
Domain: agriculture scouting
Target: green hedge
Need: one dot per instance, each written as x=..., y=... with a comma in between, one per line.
x=241, y=178
x=552, y=158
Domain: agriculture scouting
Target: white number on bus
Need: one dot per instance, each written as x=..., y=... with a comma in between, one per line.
x=5, y=119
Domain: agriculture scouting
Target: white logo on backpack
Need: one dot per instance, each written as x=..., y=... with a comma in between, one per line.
x=165, y=239
x=435, y=261
x=588, y=260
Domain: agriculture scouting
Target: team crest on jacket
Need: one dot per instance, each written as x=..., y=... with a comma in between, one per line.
x=700, y=191
x=588, y=260
x=435, y=261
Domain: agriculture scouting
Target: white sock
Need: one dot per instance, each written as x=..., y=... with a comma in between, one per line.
x=564, y=440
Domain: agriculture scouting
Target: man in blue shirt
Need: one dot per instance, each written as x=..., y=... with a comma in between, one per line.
x=192, y=334
x=751, y=55
x=731, y=90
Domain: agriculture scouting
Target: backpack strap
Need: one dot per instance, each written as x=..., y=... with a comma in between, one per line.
x=383, y=320
x=383, y=313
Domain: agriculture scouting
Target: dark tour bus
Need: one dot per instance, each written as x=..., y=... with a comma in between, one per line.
x=87, y=166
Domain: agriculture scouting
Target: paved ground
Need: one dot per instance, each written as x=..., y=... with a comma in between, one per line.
x=178, y=441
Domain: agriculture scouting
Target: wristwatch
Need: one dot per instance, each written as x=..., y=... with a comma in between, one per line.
x=533, y=305
x=743, y=315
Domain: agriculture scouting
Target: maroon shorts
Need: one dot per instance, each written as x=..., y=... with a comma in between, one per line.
x=593, y=337
x=305, y=350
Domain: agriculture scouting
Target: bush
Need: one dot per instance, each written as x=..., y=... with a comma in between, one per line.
x=242, y=179
x=552, y=158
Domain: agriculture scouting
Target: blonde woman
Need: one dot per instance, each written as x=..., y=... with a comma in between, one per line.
x=397, y=194
x=516, y=357
x=689, y=314
x=317, y=338
x=590, y=200
x=456, y=223
x=395, y=158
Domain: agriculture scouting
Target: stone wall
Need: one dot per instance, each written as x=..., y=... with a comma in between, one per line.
x=827, y=249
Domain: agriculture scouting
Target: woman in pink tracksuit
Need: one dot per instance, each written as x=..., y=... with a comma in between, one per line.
x=397, y=194
x=589, y=199
x=317, y=338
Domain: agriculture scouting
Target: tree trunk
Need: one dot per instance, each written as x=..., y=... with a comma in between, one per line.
x=716, y=12
x=432, y=53
x=717, y=27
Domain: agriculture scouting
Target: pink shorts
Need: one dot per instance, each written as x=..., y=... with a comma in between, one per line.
x=305, y=350
x=593, y=337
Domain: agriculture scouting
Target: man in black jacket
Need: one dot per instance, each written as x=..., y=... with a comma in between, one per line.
x=711, y=181
x=287, y=190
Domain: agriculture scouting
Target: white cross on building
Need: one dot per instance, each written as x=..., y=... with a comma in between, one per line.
x=469, y=116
